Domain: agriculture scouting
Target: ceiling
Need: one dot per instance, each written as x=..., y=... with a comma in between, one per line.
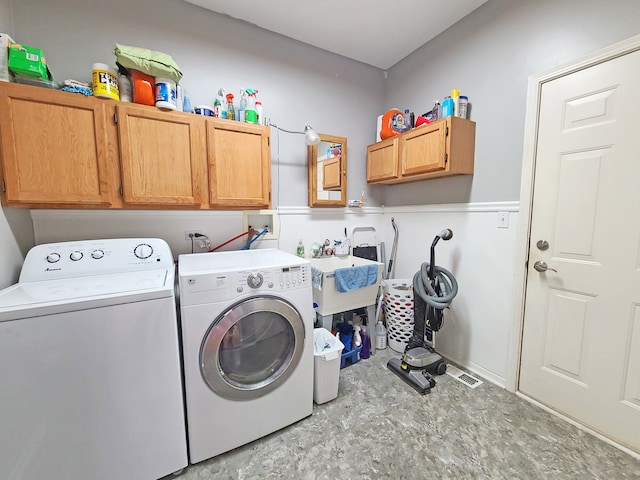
x=375, y=32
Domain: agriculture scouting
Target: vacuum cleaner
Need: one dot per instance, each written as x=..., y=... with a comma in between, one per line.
x=433, y=290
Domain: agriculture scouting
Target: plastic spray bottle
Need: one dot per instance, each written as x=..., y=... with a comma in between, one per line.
x=219, y=110
x=251, y=115
x=243, y=105
x=381, y=336
x=259, y=117
x=231, y=113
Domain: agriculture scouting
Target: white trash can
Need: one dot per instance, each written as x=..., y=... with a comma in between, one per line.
x=327, y=350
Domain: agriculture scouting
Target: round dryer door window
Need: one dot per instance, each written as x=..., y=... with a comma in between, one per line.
x=252, y=348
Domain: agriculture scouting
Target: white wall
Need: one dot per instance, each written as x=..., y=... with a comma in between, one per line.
x=479, y=324
x=489, y=56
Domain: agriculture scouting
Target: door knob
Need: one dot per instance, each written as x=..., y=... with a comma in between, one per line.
x=541, y=266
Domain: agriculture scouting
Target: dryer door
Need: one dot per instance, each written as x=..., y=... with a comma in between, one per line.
x=252, y=348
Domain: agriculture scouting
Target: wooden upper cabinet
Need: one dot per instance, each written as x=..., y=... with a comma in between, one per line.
x=439, y=149
x=65, y=150
x=162, y=157
x=239, y=164
x=54, y=149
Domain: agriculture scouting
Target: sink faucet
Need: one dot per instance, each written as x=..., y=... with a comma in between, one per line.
x=324, y=250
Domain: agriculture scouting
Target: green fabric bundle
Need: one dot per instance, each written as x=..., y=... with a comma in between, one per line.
x=156, y=64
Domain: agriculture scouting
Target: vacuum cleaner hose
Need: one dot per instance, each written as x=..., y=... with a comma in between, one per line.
x=423, y=287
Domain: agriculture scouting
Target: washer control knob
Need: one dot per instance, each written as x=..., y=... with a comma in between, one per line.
x=75, y=256
x=143, y=251
x=255, y=280
x=53, y=257
x=97, y=254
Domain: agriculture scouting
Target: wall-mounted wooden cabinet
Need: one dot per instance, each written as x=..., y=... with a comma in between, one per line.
x=239, y=164
x=55, y=149
x=162, y=157
x=64, y=150
x=439, y=149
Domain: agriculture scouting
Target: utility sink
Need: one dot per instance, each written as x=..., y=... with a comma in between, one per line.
x=331, y=301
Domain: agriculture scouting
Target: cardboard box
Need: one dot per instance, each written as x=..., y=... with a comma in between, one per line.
x=5, y=41
x=26, y=60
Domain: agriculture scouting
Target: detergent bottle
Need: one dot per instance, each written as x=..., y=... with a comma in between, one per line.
x=250, y=114
x=381, y=336
x=231, y=113
x=243, y=106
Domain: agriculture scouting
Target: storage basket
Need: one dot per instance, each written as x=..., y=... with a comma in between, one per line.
x=398, y=311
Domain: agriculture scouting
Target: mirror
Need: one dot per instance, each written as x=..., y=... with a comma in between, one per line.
x=328, y=172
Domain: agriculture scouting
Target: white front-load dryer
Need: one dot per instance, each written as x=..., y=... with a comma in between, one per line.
x=247, y=332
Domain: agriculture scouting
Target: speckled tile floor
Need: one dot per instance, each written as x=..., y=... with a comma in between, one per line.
x=380, y=428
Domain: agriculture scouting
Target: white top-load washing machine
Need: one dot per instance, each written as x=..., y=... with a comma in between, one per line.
x=247, y=332
x=90, y=374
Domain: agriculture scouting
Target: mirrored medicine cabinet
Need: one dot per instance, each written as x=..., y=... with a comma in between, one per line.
x=328, y=172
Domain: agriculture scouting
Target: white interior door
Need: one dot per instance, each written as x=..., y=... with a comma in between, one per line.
x=581, y=339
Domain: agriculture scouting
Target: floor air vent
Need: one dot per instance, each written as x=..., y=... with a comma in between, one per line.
x=463, y=377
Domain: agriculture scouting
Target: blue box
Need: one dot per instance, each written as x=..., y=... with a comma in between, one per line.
x=350, y=357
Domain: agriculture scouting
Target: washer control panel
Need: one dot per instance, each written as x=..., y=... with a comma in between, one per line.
x=95, y=257
x=273, y=279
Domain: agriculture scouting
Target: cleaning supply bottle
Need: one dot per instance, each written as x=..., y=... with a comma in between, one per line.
x=366, y=346
x=463, y=103
x=259, y=118
x=231, y=113
x=357, y=339
x=408, y=125
x=455, y=96
x=392, y=123
x=186, y=104
x=219, y=110
x=243, y=105
x=250, y=115
x=381, y=336
x=300, y=249
x=447, y=107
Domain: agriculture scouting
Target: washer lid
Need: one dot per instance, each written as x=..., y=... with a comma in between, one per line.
x=56, y=296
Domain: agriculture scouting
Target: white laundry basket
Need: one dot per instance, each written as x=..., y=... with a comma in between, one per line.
x=398, y=311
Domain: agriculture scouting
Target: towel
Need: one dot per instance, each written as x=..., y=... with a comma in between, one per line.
x=156, y=64
x=316, y=277
x=353, y=278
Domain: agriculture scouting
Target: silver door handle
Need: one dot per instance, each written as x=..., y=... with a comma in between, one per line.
x=541, y=266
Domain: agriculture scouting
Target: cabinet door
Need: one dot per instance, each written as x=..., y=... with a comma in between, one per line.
x=162, y=157
x=54, y=149
x=423, y=149
x=239, y=164
x=382, y=160
x=331, y=174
